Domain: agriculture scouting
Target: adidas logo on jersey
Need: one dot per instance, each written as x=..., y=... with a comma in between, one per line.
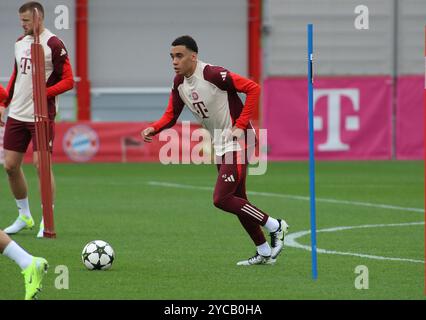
x=228, y=178
x=223, y=74
x=63, y=52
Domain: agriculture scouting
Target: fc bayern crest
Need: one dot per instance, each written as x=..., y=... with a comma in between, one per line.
x=194, y=95
x=81, y=143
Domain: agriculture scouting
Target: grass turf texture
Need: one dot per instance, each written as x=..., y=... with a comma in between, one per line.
x=172, y=243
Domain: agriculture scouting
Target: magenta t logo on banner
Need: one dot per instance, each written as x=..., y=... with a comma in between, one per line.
x=334, y=96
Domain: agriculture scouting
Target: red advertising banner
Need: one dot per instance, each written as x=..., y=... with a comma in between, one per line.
x=352, y=118
x=410, y=118
x=82, y=142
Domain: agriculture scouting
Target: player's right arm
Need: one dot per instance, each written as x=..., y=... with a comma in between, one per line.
x=3, y=97
x=6, y=95
x=3, y=94
x=170, y=116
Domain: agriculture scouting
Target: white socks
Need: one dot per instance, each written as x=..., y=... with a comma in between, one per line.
x=22, y=258
x=272, y=224
x=264, y=249
x=24, y=207
x=40, y=233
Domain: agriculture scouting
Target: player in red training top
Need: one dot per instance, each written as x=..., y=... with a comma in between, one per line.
x=211, y=93
x=20, y=128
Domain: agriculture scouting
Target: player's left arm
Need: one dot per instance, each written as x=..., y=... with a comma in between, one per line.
x=229, y=81
x=252, y=91
x=62, y=70
x=232, y=82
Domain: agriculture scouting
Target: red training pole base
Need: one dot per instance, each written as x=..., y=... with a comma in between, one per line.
x=49, y=234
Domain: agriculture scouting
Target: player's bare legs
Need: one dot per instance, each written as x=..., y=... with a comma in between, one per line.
x=36, y=163
x=33, y=268
x=18, y=186
x=13, y=167
x=4, y=241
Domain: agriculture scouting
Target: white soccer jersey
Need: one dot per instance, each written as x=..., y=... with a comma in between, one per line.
x=58, y=76
x=211, y=95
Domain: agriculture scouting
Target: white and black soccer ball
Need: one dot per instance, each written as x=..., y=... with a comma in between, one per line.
x=98, y=255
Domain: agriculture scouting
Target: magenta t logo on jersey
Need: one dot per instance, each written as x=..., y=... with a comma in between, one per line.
x=25, y=65
x=201, y=109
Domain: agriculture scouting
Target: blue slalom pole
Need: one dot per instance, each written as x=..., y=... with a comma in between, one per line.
x=311, y=152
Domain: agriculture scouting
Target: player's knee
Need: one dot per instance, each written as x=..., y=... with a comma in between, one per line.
x=11, y=168
x=216, y=202
x=220, y=201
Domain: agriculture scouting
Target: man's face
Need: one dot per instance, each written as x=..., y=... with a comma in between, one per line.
x=27, y=22
x=183, y=60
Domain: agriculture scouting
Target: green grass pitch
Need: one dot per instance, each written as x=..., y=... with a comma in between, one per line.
x=172, y=243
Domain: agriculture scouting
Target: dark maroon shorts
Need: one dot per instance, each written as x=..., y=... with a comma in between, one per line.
x=18, y=135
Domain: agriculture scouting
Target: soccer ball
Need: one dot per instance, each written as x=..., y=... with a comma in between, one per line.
x=98, y=255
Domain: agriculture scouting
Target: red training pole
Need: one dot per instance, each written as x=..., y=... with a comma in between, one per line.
x=41, y=122
x=82, y=58
x=254, y=44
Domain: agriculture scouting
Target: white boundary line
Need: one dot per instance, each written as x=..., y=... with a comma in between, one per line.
x=290, y=241
x=291, y=197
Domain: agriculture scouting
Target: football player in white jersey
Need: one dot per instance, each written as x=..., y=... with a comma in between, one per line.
x=20, y=128
x=211, y=94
